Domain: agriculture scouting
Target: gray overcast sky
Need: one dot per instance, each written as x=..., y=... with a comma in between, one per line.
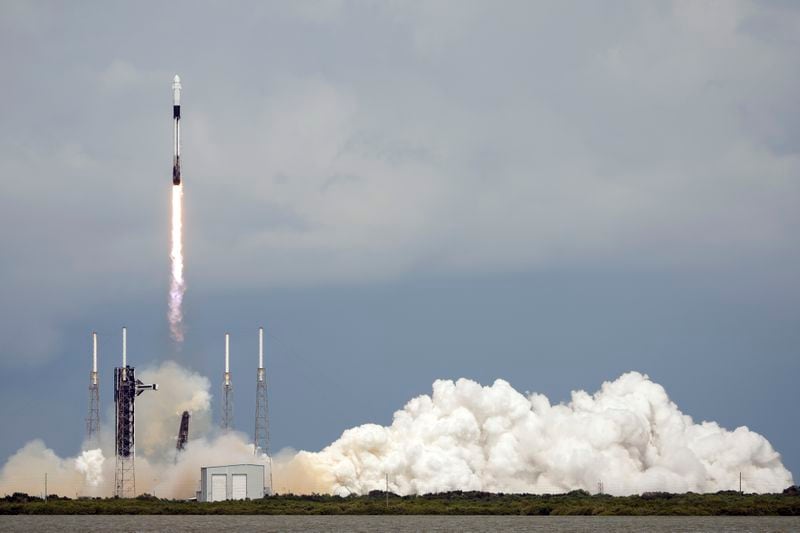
x=547, y=192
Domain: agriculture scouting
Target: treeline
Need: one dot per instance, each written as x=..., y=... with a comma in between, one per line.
x=452, y=503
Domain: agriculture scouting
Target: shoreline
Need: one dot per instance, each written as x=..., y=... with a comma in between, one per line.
x=576, y=503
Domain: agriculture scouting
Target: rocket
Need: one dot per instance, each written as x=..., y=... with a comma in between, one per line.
x=176, y=132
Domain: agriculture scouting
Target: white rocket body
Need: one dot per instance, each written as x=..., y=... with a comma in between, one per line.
x=176, y=131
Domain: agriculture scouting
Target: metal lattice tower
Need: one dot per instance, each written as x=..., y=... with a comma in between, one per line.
x=124, y=450
x=261, y=433
x=126, y=389
x=93, y=415
x=227, y=390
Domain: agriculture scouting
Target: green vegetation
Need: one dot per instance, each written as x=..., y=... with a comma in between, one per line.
x=453, y=503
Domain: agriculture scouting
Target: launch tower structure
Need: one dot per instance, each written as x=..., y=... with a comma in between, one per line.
x=261, y=432
x=126, y=389
x=227, y=389
x=93, y=414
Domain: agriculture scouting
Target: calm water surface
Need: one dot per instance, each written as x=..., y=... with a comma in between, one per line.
x=460, y=524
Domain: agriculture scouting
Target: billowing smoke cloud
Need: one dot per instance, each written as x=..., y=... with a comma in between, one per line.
x=160, y=469
x=90, y=464
x=25, y=472
x=158, y=414
x=182, y=478
x=628, y=436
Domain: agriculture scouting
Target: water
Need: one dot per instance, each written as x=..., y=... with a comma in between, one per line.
x=460, y=524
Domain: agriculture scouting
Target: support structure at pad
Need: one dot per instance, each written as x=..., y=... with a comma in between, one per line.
x=126, y=389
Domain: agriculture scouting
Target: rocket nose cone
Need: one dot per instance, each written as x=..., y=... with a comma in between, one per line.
x=176, y=79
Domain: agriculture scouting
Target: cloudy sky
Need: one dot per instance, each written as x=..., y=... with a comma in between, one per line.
x=552, y=193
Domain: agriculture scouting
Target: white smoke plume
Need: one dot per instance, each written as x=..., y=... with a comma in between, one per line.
x=181, y=479
x=160, y=469
x=628, y=436
x=464, y=436
x=158, y=414
x=177, y=286
x=90, y=464
x=25, y=472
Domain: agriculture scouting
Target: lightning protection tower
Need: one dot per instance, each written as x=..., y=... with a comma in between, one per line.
x=261, y=433
x=227, y=389
x=93, y=415
x=126, y=389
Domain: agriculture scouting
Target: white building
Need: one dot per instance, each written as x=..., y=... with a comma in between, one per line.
x=231, y=482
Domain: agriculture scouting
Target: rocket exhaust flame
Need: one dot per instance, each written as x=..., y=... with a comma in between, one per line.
x=177, y=285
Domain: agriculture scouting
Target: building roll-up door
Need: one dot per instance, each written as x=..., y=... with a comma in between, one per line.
x=239, y=487
x=218, y=487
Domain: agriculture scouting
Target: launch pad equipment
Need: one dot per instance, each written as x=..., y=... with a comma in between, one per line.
x=126, y=389
x=231, y=482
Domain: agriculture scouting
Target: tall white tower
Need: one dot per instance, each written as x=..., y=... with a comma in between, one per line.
x=93, y=415
x=227, y=388
x=261, y=433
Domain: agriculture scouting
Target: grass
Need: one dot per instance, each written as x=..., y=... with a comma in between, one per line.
x=449, y=503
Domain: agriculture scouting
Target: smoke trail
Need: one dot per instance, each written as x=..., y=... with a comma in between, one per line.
x=177, y=285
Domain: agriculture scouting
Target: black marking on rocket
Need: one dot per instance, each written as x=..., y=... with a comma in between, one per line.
x=176, y=171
